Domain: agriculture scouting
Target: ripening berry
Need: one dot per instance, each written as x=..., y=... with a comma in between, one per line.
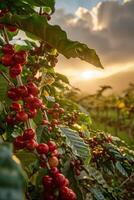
x=32, y=113
x=15, y=106
x=21, y=116
x=15, y=70
x=53, y=161
x=23, y=91
x=13, y=94
x=54, y=171
x=31, y=144
x=8, y=49
x=67, y=194
x=20, y=57
x=37, y=103
x=32, y=89
x=42, y=148
x=11, y=28
x=52, y=146
x=45, y=122
x=47, y=181
x=29, y=99
x=59, y=179
x=10, y=120
x=55, y=153
x=56, y=105
x=54, y=122
x=29, y=134
x=19, y=143
x=7, y=60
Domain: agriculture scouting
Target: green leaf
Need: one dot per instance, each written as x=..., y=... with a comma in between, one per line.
x=40, y=174
x=11, y=176
x=97, y=176
x=77, y=144
x=38, y=26
x=97, y=193
x=113, y=151
x=121, y=169
x=3, y=88
x=62, y=77
x=47, y=3
x=26, y=158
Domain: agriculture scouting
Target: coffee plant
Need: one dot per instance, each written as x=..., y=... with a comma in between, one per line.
x=48, y=150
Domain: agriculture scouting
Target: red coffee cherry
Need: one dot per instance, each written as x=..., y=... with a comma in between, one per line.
x=29, y=99
x=15, y=106
x=10, y=120
x=42, y=148
x=32, y=89
x=31, y=144
x=29, y=134
x=15, y=70
x=54, y=171
x=13, y=94
x=19, y=143
x=21, y=116
x=11, y=28
x=67, y=194
x=23, y=91
x=7, y=60
x=52, y=146
x=47, y=181
x=8, y=49
x=56, y=105
x=45, y=122
x=37, y=103
x=32, y=113
x=60, y=180
x=20, y=57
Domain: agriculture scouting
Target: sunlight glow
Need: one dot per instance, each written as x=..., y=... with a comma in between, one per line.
x=87, y=75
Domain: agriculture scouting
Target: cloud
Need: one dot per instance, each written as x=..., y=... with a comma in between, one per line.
x=108, y=27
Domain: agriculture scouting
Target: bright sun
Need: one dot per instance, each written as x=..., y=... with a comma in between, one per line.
x=87, y=75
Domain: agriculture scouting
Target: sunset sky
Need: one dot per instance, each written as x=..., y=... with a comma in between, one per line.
x=106, y=26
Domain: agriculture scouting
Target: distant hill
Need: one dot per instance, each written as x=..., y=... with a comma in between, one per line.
x=118, y=81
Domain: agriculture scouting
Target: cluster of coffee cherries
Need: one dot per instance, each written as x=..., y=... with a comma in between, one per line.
x=72, y=118
x=10, y=28
x=48, y=156
x=54, y=113
x=76, y=164
x=13, y=60
x=21, y=112
x=56, y=181
x=28, y=94
x=97, y=148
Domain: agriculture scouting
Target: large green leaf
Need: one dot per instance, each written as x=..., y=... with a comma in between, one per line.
x=11, y=178
x=76, y=143
x=38, y=26
x=97, y=193
x=97, y=175
x=47, y=3
x=121, y=169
